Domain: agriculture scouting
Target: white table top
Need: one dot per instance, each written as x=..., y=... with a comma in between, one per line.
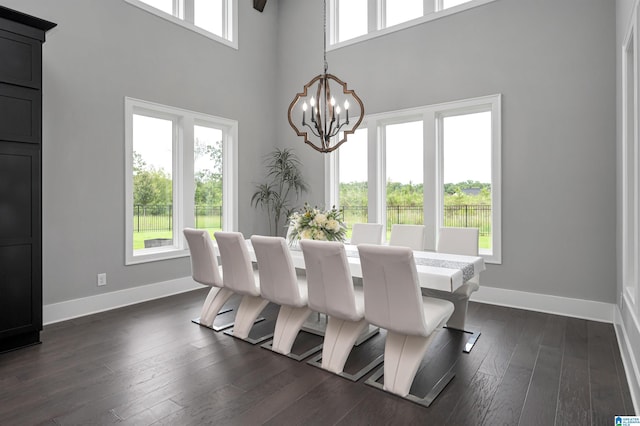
x=438, y=271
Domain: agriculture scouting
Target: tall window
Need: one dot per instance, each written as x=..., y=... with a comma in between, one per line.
x=361, y=19
x=180, y=172
x=353, y=185
x=404, y=168
x=208, y=177
x=466, y=172
x=216, y=19
x=437, y=165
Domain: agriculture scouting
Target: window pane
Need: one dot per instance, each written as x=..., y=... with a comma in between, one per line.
x=353, y=177
x=467, y=173
x=402, y=11
x=207, y=167
x=208, y=15
x=164, y=5
x=352, y=19
x=405, y=176
x=446, y=4
x=152, y=182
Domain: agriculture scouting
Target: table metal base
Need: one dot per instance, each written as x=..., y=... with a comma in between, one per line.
x=471, y=341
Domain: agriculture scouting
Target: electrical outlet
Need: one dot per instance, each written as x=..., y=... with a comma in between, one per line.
x=102, y=279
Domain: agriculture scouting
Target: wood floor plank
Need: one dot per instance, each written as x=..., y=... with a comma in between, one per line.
x=475, y=402
x=508, y=401
x=542, y=396
x=574, y=399
x=606, y=393
x=506, y=405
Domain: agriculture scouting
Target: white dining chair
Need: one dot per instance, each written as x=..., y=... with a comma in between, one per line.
x=280, y=284
x=366, y=233
x=205, y=270
x=463, y=241
x=411, y=236
x=392, y=300
x=238, y=276
x=331, y=292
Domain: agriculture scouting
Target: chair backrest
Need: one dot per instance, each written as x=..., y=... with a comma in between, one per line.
x=411, y=236
x=236, y=263
x=278, y=280
x=392, y=297
x=329, y=280
x=204, y=265
x=366, y=233
x=462, y=241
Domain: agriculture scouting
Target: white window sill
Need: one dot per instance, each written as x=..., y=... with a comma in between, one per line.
x=154, y=255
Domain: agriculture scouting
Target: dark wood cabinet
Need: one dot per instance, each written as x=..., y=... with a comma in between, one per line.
x=21, y=38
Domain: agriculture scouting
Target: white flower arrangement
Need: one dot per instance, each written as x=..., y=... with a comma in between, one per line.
x=315, y=224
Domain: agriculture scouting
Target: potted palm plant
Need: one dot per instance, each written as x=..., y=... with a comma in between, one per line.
x=284, y=185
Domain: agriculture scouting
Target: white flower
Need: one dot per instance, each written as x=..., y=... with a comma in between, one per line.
x=306, y=234
x=332, y=225
x=320, y=219
x=319, y=235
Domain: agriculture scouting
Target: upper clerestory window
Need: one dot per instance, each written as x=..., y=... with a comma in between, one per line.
x=216, y=19
x=352, y=21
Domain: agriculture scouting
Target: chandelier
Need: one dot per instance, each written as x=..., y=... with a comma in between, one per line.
x=328, y=103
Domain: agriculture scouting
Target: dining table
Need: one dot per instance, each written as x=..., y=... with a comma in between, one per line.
x=437, y=271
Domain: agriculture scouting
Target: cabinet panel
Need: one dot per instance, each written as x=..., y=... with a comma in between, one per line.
x=16, y=289
x=20, y=114
x=21, y=60
x=17, y=175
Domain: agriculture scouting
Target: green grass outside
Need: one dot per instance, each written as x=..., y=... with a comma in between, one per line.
x=139, y=237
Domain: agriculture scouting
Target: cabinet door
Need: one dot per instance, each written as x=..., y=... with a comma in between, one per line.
x=20, y=114
x=20, y=239
x=21, y=60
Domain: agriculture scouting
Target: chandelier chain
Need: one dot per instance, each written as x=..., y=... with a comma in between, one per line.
x=324, y=32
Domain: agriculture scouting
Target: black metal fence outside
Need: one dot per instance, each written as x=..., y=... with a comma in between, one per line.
x=160, y=218
x=464, y=216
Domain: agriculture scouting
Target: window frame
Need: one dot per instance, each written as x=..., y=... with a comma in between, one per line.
x=432, y=165
x=182, y=175
x=184, y=16
x=432, y=10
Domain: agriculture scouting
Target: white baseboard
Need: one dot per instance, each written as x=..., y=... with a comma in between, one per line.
x=629, y=355
x=577, y=308
x=69, y=309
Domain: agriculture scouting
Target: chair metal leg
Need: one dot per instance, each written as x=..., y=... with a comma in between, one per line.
x=402, y=357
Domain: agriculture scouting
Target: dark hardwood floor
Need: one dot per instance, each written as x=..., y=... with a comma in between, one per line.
x=148, y=364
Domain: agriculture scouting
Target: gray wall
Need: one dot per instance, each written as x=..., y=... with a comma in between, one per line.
x=554, y=63
x=100, y=52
